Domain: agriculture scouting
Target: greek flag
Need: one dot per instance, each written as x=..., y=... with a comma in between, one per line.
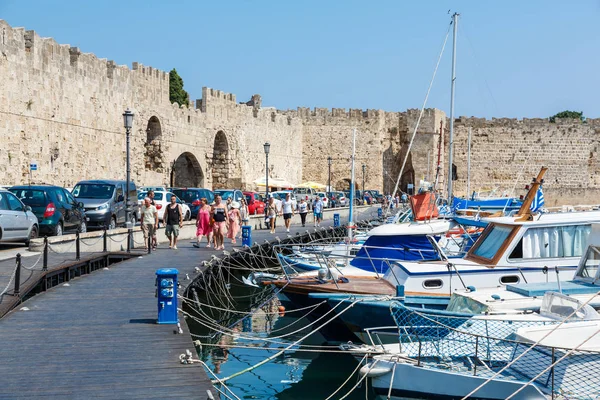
x=538, y=200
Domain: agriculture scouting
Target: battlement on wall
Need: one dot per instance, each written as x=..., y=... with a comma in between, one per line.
x=26, y=46
x=515, y=122
x=337, y=113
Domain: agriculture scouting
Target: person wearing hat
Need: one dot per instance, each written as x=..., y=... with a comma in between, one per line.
x=234, y=221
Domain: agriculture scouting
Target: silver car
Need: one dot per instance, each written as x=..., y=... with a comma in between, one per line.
x=17, y=222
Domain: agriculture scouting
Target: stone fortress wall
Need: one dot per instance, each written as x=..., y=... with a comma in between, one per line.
x=504, y=149
x=63, y=108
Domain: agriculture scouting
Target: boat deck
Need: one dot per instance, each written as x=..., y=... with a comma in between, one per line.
x=355, y=284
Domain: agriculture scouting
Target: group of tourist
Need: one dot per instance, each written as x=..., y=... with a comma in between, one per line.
x=221, y=220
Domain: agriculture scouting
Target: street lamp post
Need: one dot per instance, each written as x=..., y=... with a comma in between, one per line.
x=363, y=183
x=267, y=147
x=329, y=179
x=128, y=123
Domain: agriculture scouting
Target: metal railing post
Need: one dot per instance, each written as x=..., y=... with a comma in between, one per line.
x=18, y=275
x=129, y=240
x=476, y=356
x=77, y=248
x=105, y=248
x=149, y=243
x=552, y=372
x=45, y=262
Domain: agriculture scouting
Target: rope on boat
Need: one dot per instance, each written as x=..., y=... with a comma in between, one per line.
x=350, y=376
x=495, y=375
x=567, y=354
x=419, y=119
x=295, y=343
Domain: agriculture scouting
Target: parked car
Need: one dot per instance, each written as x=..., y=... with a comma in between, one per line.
x=56, y=209
x=162, y=200
x=17, y=222
x=233, y=194
x=255, y=202
x=375, y=196
x=280, y=195
x=358, y=199
x=104, y=202
x=324, y=198
x=153, y=188
x=192, y=196
x=337, y=199
x=307, y=194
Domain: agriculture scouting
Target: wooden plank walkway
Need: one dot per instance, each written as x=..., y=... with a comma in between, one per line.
x=96, y=336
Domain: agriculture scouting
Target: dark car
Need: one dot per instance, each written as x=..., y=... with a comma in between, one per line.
x=56, y=209
x=192, y=196
x=233, y=194
x=104, y=202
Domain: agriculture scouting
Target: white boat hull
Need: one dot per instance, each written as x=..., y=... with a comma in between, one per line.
x=411, y=381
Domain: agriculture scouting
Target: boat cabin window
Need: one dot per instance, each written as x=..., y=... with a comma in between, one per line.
x=589, y=265
x=492, y=241
x=552, y=242
x=509, y=279
x=433, y=284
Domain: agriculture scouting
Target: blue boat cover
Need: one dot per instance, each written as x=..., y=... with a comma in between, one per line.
x=395, y=247
x=509, y=203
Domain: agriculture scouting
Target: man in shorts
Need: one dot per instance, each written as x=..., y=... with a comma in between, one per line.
x=318, y=211
x=287, y=209
x=173, y=221
x=154, y=239
x=149, y=220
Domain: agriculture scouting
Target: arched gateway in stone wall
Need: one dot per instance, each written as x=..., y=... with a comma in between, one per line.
x=220, y=162
x=187, y=172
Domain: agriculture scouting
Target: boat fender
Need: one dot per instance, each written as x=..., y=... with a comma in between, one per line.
x=375, y=371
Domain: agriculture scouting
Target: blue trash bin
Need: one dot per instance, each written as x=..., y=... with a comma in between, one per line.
x=336, y=220
x=246, y=235
x=166, y=291
x=380, y=212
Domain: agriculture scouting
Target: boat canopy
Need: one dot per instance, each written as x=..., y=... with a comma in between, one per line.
x=377, y=249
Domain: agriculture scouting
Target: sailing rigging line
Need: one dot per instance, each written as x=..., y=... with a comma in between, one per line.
x=420, y=116
x=497, y=373
x=552, y=365
x=512, y=191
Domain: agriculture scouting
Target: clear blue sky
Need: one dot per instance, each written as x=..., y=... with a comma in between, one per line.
x=516, y=58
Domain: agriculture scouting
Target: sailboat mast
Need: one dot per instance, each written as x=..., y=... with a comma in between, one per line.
x=352, y=186
x=451, y=137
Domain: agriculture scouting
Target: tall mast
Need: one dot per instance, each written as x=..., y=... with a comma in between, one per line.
x=451, y=137
x=352, y=186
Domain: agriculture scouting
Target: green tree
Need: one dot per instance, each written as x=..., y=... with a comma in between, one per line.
x=176, y=92
x=568, y=114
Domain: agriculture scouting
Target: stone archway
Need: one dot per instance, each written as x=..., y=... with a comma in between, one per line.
x=154, y=160
x=220, y=162
x=187, y=172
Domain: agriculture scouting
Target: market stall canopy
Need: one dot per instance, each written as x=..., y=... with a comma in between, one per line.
x=312, y=185
x=274, y=182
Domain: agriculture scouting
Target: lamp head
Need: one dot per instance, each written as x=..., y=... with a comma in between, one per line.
x=128, y=119
x=267, y=147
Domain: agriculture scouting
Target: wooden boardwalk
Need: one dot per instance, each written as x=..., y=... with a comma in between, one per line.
x=96, y=336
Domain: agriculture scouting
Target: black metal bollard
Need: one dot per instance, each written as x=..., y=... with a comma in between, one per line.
x=105, y=248
x=129, y=240
x=18, y=275
x=149, y=243
x=45, y=266
x=77, y=249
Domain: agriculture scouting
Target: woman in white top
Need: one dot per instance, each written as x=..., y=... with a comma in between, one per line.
x=287, y=211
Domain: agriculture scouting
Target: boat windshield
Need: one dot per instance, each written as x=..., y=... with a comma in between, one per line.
x=492, y=242
x=466, y=305
x=588, y=267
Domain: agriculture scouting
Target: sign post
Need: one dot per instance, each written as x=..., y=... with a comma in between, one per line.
x=33, y=166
